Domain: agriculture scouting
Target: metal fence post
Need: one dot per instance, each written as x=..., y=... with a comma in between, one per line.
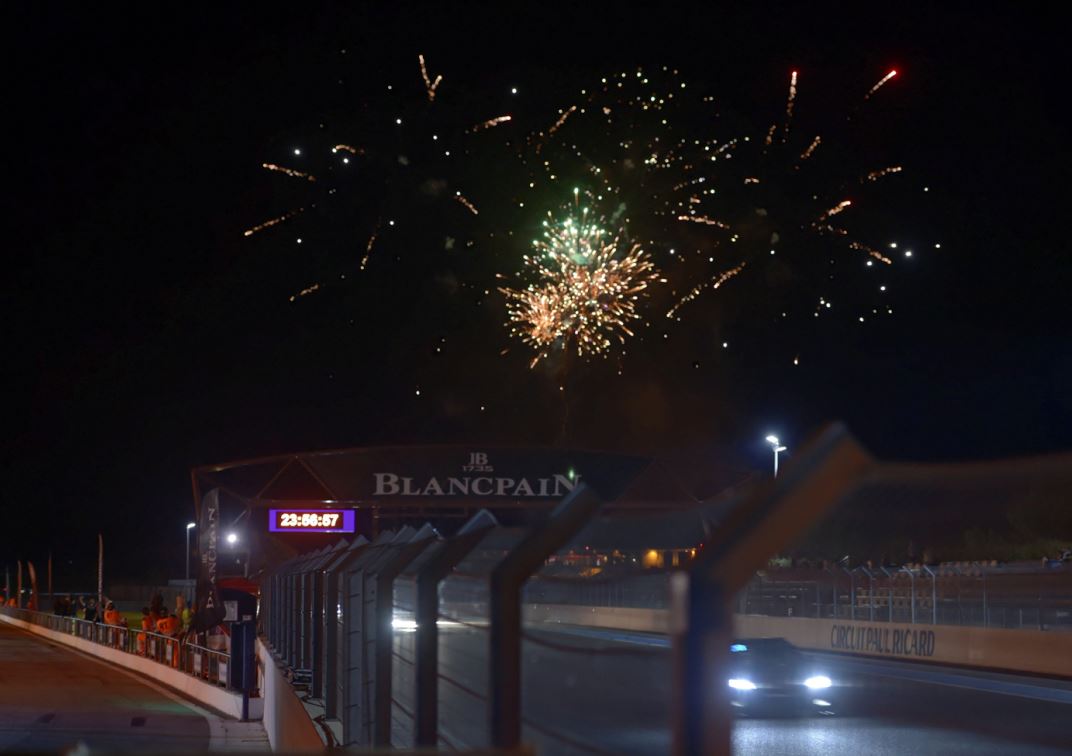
x=912, y=606
x=427, y=613
x=1040, y=603
x=934, y=595
x=889, y=591
x=834, y=597
x=870, y=593
x=833, y=593
x=383, y=581
x=960, y=606
x=504, y=688
x=316, y=682
x=986, y=612
x=852, y=591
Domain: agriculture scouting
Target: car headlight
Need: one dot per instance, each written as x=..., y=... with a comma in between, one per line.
x=740, y=683
x=817, y=682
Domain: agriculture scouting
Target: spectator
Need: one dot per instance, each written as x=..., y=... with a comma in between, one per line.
x=169, y=625
x=112, y=615
x=147, y=626
x=91, y=611
x=182, y=611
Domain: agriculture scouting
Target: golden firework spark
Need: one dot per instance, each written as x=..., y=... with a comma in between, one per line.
x=288, y=171
x=562, y=119
x=348, y=148
x=873, y=252
x=491, y=123
x=272, y=222
x=789, y=104
x=554, y=127
x=429, y=85
x=881, y=82
x=839, y=207
x=704, y=220
x=876, y=175
x=306, y=292
x=468, y=205
x=811, y=148
x=368, y=247
x=713, y=283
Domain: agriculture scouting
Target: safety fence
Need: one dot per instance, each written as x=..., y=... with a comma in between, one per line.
x=974, y=595
x=198, y=661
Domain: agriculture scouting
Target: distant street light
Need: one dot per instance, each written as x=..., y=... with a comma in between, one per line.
x=776, y=445
x=189, y=526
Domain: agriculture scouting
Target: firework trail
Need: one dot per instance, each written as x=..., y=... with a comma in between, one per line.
x=273, y=222
x=430, y=86
x=288, y=171
x=491, y=123
x=789, y=104
x=881, y=82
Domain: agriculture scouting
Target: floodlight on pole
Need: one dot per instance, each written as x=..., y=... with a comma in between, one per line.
x=777, y=447
x=189, y=526
x=232, y=538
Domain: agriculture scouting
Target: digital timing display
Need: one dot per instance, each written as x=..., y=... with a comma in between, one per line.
x=311, y=520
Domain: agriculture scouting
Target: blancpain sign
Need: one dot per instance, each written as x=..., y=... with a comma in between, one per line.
x=555, y=486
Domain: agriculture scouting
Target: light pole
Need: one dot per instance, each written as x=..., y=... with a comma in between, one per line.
x=189, y=526
x=776, y=445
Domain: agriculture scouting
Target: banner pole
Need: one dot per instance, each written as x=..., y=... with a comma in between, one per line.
x=100, y=570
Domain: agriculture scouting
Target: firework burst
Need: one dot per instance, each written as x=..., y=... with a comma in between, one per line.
x=585, y=285
x=784, y=216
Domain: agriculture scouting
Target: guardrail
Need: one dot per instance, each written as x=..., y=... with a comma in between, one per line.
x=197, y=661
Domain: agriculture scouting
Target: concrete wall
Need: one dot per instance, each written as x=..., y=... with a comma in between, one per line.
x=223, y=701
x=1030, y=651
x=286, y=721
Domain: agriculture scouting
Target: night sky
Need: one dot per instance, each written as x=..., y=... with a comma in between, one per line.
x=146, y=335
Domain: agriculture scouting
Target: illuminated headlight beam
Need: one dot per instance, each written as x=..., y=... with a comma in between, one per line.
x=740, y=683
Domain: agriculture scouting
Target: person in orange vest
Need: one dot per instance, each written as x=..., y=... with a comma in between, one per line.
x=169, y=625
x=112, y=615
x=182, y=611
x=113, y=618
x=158, y=616
x=147, y=626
